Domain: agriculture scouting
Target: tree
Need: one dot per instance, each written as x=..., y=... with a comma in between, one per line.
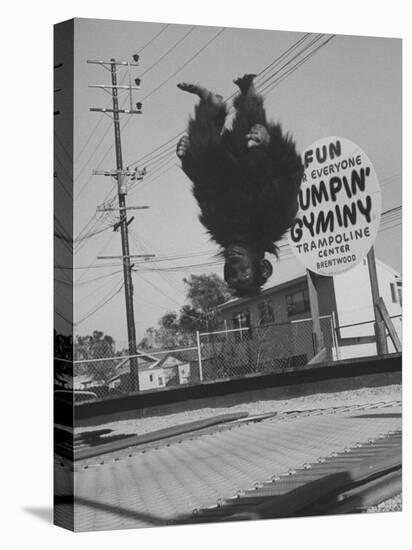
x=204, y=294
x=95, y=346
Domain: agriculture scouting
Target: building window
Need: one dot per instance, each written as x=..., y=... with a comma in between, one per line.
x=160, y=380
x=393, y=293
x=241, y=321
x=266, y=314
x=298, y=302
x=151, y=377
x=399, y=285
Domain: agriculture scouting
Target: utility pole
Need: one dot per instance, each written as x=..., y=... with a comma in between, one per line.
x=121, y=176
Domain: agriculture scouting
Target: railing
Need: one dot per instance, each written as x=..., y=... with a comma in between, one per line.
x=273, y=347
x=97, y=371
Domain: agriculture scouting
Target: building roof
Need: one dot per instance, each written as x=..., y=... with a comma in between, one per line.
x=142, y=365
x=235, y=302
x=389, y=268
x=170, y=360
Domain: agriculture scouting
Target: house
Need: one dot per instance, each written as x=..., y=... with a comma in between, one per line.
x=277, y=324
x=175, y=370
x=151, y=374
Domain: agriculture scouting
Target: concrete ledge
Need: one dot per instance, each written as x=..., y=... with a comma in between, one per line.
x=92, y=412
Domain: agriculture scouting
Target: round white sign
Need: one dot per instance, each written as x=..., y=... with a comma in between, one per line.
x=339, y=207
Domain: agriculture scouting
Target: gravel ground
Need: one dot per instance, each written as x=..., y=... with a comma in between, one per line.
x=392, y=505
x=321, y=395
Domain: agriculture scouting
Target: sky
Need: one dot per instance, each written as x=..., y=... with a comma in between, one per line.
x=351, y=87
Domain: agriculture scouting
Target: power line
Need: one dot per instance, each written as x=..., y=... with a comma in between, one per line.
x=145, y=248
x=100, y=252
x=88, y=281
x=97, y=308
x=155, y=157
x=96, y=232
x=179, y=41
x=185, y=64
x=151, y=156
x=154, y=38
x=148, y=95
x=281, y=246
x=102, y=116
x=394, y=209
x=295, y=67
x=265, y=82
x=158, y=289
x=69, y=156
x=63, y=317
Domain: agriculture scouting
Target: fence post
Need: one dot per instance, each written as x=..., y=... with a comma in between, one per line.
x=199, y=355
x=334, y=335
x=312, y=282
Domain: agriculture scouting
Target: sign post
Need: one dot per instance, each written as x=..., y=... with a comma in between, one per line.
x=379, y=325
x=317, y=335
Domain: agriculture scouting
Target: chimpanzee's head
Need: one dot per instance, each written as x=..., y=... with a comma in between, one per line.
x=246, y=269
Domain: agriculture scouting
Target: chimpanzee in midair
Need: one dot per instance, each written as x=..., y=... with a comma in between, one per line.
x=245, y=179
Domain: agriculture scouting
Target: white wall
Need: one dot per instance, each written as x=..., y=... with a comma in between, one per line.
x=354, y=305
x=184, y=373
x=144, y=379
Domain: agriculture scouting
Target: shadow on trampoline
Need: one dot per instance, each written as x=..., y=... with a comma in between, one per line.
x=116, y=510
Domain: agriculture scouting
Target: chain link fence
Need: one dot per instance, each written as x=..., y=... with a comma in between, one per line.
x=275, y=347
x=94, y=372
x=95, y=369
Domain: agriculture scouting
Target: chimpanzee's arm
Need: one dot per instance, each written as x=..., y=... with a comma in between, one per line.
x=204, y=155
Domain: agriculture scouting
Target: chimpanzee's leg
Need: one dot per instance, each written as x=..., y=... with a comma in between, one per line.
x=200, y=150
x=249, y=124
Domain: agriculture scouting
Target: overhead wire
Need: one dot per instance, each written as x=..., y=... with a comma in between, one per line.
x=160, y=154
x=168, y=52
x=122, y=105
x=141, y=74
x=101, y=118
x=184, y=65
x=148, y=157
x=291, y=70
x=97, y=308
x=125, y=124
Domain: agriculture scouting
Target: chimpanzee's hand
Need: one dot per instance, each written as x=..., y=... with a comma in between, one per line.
x=182, y=147
x=257, y=137
x=201, y=91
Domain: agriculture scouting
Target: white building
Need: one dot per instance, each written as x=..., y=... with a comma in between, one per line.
x=354, y=305
x=345, y=307
x=151, y=374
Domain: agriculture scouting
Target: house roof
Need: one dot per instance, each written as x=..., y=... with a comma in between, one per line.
x=124, y=367
x=389, y=268
x=235, y=302
x=170, y=360
x=267, y=292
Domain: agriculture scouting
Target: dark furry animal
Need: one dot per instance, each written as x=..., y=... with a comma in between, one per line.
x=246, y=181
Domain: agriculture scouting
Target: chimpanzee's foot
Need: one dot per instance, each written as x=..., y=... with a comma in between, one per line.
x=245, y=84
x=182, y=147
x=258, y=136
x=201, y=92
